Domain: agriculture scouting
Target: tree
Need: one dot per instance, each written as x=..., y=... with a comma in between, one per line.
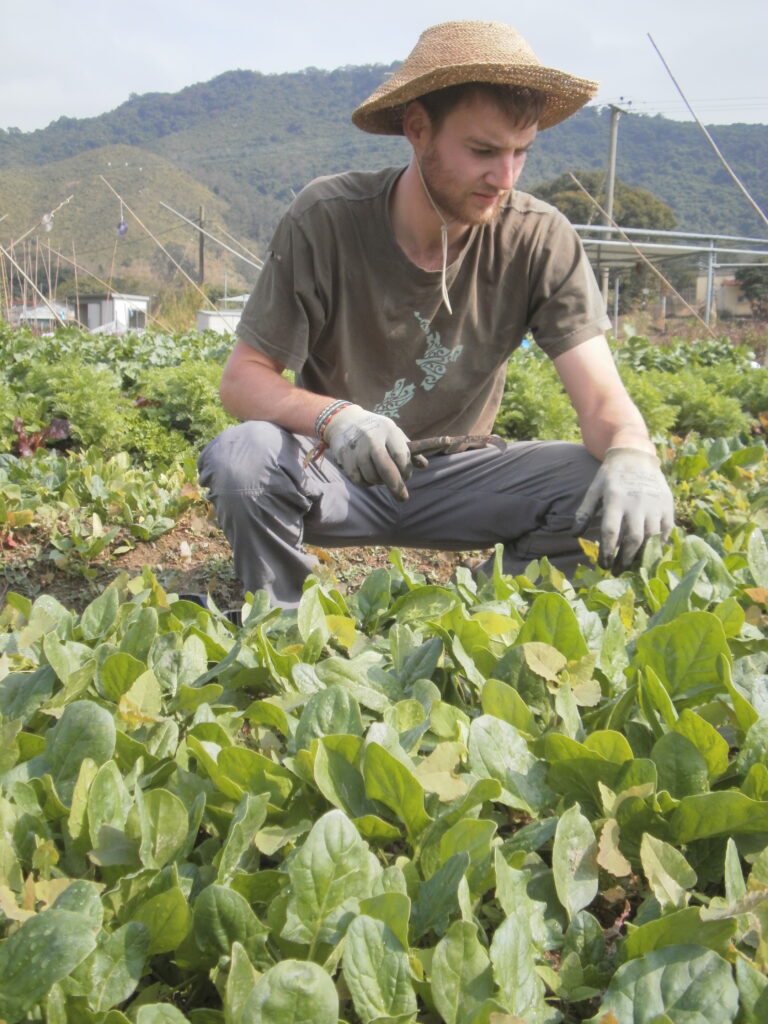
x=632, y=207
x=753, y=281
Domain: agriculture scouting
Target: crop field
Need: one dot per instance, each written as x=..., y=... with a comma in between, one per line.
x=476, y=801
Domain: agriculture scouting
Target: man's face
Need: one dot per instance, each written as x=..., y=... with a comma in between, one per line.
x=473, y=160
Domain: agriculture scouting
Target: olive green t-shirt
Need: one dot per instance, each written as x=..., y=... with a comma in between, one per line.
x=340, y=303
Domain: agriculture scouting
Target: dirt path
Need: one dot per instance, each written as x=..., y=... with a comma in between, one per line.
x=193, y=557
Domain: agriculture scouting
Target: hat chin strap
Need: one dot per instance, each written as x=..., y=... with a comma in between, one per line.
x=443, y=237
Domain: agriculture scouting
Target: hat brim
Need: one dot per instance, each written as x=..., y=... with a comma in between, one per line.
x=382, y=113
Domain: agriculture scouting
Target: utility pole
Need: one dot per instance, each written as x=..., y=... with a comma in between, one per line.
x=610, y=184
x=201, y=248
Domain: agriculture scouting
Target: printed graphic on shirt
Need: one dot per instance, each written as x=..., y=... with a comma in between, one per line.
x=394, y=400
x=434, y=365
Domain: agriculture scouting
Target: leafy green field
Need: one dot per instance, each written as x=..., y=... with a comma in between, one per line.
x=512, y=799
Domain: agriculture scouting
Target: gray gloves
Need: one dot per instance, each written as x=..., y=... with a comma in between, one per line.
x=636, y=504
x=369, y=449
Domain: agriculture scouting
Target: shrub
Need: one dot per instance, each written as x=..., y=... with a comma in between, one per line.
x=534, y=405
x=659, y=413
x=88, y=396
x=702, y=407
x=185, y=398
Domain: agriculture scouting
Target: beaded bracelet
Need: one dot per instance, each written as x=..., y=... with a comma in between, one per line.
x=321, y=424
x=326, y=415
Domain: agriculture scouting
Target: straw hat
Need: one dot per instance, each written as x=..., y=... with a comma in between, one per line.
x=470, y=51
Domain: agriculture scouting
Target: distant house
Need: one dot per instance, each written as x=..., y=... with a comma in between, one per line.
x=43, y=319
x=727, y=296
x=112, y=312
x=223, y=321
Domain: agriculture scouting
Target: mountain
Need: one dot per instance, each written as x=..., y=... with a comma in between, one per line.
x=241, y=144
x=83, y=231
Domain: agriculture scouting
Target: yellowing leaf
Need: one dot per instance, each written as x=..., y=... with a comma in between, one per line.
x=609, y=856
x=588, y=694
x=543, y=659
x=496, y=624
x=590, y=549
x=47, y=892
x=444, y=758
x=142, y=702
x=342, y=629
x=9, y=907
x=21, y=517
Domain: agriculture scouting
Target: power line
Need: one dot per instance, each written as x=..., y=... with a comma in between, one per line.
x=716, y=105
x=709, y=138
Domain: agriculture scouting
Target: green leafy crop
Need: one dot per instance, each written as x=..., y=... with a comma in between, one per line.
x=507, y=798
x=512, y=795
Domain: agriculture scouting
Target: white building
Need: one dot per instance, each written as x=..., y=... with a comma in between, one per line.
x=44, y=318
x=112, y=312
x=223, y=321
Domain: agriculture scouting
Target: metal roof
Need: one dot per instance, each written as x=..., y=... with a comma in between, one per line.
x=620, y=248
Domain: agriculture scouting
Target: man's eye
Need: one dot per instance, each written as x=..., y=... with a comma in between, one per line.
x=481, y=152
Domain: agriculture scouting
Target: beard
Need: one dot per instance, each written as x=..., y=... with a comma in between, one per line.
x=457, y=200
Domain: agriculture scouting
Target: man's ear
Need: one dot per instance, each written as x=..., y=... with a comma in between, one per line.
x=417, y=127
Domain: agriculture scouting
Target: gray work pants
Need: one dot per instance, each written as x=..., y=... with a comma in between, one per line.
x=268, y=503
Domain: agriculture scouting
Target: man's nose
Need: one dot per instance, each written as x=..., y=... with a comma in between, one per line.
x=506, y=171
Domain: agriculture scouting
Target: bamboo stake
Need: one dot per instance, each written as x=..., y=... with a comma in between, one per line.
x=709, y=138
x=643, y=257
x=95, y=277
x=7, y=292
x=2, y=277
x=158, y=243
x=47, y=269
x=258, y=263
x=112, y=265
x=77, y=289
x=35, y=226
x=32, y=283
x=246, y=250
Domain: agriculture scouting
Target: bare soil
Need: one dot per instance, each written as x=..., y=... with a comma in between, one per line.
x=194, y=557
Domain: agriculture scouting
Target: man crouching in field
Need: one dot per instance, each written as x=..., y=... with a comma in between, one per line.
x=397, y=298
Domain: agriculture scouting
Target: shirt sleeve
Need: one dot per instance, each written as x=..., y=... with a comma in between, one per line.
x=566, y=307
x=285, y=310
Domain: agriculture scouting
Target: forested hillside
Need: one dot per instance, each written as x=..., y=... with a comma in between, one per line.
x=242, y=143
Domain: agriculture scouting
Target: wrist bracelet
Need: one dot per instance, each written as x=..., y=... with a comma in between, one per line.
x=326, y=415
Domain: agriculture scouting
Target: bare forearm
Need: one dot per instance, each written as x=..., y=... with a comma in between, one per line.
x=254, y=389
x=608, y=417
x=616, y=425
x=272, y=398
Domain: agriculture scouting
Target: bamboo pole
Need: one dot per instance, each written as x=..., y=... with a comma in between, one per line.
x=760, y=212
x=32, y=283
x=95, y=277
x=7, y=291
x=34, y=227
x=258, y=263
x=77, y=289
x=158, y=243
x=642, y=256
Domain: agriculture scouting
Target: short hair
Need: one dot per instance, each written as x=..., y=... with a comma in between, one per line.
x=522, y=104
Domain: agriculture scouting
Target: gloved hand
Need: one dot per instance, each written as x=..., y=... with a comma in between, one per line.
x=369, y=449
x=636, y=501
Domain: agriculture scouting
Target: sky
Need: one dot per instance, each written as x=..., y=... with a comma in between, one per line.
x=80, y=58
